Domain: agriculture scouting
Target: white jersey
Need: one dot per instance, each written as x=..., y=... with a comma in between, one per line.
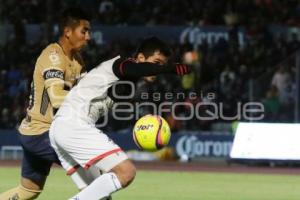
x=73, y=134
x=88, y=100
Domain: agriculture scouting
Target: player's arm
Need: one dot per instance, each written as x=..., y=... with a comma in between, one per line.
x=52, y=67
x=130, y=69
x=56, y=94
x=54, y=84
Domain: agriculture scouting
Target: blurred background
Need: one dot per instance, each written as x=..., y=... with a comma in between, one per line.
x=241, y=51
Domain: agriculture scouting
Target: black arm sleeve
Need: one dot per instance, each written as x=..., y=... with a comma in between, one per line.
x=128, y=69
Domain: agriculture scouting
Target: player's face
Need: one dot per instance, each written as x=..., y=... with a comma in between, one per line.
x=157, y=58
x=80, y=35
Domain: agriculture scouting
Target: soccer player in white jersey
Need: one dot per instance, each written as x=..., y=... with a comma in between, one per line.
x=82, y=147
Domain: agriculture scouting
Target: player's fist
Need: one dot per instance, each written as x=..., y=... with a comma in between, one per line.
x=182, y=69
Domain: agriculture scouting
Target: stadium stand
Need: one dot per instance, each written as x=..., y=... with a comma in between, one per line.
x=225, y=68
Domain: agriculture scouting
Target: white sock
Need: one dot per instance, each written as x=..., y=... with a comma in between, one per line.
x=103, y=186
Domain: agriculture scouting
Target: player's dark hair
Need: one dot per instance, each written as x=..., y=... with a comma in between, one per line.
x=149, y=45
x=71, y=17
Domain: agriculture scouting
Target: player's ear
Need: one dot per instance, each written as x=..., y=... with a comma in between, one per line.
x=141, y=58
x=67, y=31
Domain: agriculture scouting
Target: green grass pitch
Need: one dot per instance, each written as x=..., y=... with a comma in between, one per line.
x=158, y=185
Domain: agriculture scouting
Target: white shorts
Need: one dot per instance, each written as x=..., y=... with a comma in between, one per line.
x=83, y=145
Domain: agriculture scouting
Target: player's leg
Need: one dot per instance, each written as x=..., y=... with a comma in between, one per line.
x=119, y=164
x=90, y=147
x=81, y=177
x=37, y=160
x=120, y=176
x=119, y=172
x=21, y=193
x=32, y=182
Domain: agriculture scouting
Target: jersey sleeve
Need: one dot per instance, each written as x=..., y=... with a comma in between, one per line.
x=129, y=69
x=52, y=67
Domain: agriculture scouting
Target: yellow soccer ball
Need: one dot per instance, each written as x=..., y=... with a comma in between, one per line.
x=151, y=133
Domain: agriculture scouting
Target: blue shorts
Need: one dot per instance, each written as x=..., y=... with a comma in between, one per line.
x=38, y=156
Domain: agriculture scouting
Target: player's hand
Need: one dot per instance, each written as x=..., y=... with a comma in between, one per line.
x=182, y=69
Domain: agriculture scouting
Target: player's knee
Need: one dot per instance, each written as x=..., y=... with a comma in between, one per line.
x=129, y=175
x=125, y=172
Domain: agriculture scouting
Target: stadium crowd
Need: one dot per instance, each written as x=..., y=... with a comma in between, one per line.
x=225, y=69
x=168, y=12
